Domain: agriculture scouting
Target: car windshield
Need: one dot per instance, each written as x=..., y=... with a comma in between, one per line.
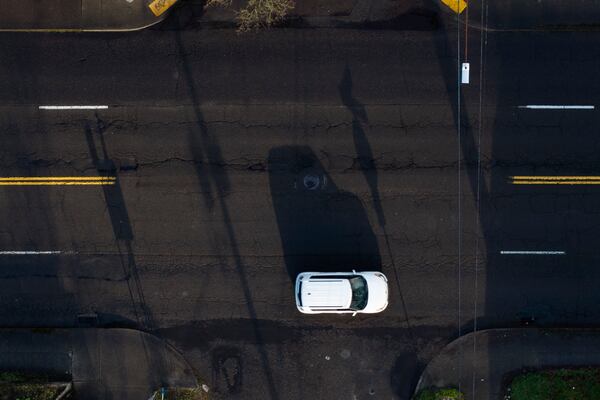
x=359, y=293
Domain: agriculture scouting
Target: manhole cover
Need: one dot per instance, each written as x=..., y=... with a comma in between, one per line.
x=311, y=182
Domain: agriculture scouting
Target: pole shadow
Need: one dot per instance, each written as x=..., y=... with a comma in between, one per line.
x=522, y=290
x=365, y=161
x=469, y=141
x=120, y=222
x=214, y=183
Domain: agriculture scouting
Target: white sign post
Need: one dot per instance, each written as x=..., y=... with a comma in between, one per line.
x=465, y=73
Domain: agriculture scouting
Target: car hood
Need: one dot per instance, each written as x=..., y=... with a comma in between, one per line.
x=378, y=293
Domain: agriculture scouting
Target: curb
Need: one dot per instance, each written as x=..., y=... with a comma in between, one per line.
x=88, y=30
x=142, y=363
x=84, y=30
x=490, y=354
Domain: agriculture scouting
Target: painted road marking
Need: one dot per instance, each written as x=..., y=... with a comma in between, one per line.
x=457, y=6
x=57, y=180
x=72, y=107
x=551, y=107
x=533, y=252
x=555, y=180
x=27, y=253
x=160, y=6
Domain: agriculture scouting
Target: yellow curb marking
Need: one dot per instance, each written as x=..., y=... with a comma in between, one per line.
x=57, y=180
x=555, y=180
x=160, y=6
x=457, y=6
x=557, y=183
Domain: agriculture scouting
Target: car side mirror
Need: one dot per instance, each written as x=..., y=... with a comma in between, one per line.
x=354, y=313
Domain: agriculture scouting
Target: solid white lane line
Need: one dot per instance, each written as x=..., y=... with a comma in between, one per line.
x=550, y=107
x=73, y=107
x=541, y=253
x=27, y=253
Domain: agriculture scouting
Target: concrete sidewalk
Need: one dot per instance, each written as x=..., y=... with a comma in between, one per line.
x=546, y=15
x=518, y=15
x=76, y=15
x=370, y=14
x=481, y=364
x=501, y=15
x=102, y=363
x=129, y=15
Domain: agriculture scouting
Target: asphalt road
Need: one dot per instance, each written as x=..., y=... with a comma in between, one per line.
x=211, y=134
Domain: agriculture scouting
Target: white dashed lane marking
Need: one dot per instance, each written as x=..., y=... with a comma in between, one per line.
x=533, y=252
x=83, y=107
x=557, y=107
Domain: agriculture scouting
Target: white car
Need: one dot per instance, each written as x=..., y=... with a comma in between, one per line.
x=341, y=292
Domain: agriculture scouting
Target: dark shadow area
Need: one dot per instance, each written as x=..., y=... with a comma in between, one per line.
x=468, y=144
x=322, y=228
x=364, y=154
x=106, y=320
x=365, y=162
x=120, y=221
x=214, y=184
x=413, y=20
x=543, y=290
x=405, y=375
x=113, y=194
x=467, y=136
x=526, y=290
x=24, y=226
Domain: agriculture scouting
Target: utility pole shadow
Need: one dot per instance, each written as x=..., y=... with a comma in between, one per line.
x=214, y=183
x=366, y=164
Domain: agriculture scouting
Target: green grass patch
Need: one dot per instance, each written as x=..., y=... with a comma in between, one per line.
x=439, y=394
x=22, y=386
x=557, y=384
x=183, y=394
x=29, y=391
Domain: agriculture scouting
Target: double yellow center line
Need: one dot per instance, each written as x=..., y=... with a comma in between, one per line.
x=57, y=180
x=555, y=180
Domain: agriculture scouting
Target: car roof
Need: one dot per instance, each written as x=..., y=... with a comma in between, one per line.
x=330, y=293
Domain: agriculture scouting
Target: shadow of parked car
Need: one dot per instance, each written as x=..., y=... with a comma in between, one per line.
x=322, y=228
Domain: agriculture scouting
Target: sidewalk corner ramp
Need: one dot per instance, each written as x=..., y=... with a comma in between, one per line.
x=479, y=364
x=102, y=363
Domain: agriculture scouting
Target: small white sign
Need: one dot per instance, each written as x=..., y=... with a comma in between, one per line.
x=465, y=73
